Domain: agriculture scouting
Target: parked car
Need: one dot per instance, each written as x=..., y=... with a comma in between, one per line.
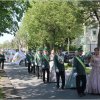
x=68, y=57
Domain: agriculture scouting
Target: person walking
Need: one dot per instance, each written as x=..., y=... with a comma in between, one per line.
x=81, y=74
x=29, y=59
x=38, y=62
x=52, y=67
x=71, y=81
x=59, y=68
x=45, y=64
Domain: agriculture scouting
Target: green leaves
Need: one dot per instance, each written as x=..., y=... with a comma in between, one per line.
x=50, y=23
x=11, y=13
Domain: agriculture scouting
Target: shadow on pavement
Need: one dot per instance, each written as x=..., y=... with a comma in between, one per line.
x=29, y=87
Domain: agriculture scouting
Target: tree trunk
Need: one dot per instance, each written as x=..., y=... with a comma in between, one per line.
x=68, y=45
x=99, y=36
x=53, y=42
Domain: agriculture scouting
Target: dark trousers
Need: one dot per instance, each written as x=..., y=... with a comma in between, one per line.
x=29, y=67
x=33, y=69
x=80, y=83
x=46, y=70
x=38, y=71
x=2, y=64
x=25, y=63
x=62, y=75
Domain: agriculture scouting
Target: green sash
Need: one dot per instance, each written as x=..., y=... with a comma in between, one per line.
x=38, y=56
x=81, y=62
x=86, y=69
x=46, y=57
x=30, y=57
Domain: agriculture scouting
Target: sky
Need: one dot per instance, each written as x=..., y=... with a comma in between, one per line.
x=6, y=37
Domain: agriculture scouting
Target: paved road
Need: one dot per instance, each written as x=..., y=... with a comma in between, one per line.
x=29, y=87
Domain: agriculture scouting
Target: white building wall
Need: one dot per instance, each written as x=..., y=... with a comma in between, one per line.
x=90, y=39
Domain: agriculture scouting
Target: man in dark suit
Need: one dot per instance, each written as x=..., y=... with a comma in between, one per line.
x=81, y=74
x=29, y=59
x=38, y=62
x=45, y=64
x=59, y=68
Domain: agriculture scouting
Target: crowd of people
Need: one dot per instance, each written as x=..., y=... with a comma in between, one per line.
x=78, y=78
x=42, y=63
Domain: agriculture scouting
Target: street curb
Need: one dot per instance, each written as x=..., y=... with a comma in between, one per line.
x=8, y=89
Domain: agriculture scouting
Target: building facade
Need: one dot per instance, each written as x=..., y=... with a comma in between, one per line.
x=90, y=38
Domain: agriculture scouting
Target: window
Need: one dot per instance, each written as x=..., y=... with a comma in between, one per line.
x=94, y=32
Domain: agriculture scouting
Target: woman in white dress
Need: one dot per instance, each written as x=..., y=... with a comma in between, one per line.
x=71, y=81
x=93, y=84
x=52, y=67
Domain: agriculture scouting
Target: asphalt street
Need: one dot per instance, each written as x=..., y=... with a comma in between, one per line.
x=29, y=87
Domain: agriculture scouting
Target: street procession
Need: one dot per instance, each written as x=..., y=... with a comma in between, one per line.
x=50, y=49
x=50, y=67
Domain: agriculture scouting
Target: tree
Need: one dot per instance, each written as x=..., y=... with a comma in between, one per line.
x=52, y=24
x=6, y=45
x=11, y=13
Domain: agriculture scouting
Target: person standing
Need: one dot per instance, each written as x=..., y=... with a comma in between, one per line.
x=71, y=81
x=45, y=64
x=81, y=74
x=2, y=59
x=93, y=84
x=59, y=68
x=29, y=58
x=52, y=67
x=38, y=62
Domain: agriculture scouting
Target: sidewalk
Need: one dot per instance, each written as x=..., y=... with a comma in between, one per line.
x=7, y=87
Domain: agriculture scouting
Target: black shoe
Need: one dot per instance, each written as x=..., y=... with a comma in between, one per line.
x=47, y=81
x=44, y=82
x=81, y=94
x=29, y=72
x=37, y=77
x=57, y=87
x=62, y=87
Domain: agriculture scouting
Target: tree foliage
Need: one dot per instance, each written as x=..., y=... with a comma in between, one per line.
x=50, y=23
x=11, y=13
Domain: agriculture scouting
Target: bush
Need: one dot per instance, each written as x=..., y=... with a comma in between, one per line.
x=88, y=70
x=67, y=65
x=72, y=48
